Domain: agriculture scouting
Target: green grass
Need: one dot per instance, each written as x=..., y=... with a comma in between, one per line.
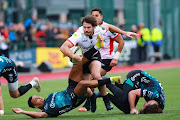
x=170, y=79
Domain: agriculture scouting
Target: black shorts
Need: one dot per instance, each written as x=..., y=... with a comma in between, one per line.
x=76, y=100
x=105, y=64
x=10, y=74
x=96, y=56
x=92, y=54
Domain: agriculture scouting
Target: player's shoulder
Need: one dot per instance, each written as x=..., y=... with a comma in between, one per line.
x=105, y=23
x=78, y=34
x=100, y=29
x=80, y=30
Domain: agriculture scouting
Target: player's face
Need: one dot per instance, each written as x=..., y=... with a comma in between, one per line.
x=151, y=102
x=88, y=29
x=98, y=16
x=37, y=100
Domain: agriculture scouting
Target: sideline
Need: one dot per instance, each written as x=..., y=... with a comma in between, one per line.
x=64, y=74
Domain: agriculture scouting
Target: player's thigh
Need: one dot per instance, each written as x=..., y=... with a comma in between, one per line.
x=13, y=89
x=95, y=68
x=103, y=72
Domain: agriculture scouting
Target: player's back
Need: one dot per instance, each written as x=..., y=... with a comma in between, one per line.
x=5, y=63
x=58, y=103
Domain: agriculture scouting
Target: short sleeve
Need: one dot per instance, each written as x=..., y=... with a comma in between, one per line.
x=75, y=38
x=113, y=35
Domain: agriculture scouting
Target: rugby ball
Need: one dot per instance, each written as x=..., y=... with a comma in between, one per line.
x=76, y=50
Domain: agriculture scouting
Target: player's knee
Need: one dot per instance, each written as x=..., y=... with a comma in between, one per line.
x=96, y=76
x=14, y=95
x=82, y=83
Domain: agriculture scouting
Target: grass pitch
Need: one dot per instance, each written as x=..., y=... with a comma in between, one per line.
x=170, y=79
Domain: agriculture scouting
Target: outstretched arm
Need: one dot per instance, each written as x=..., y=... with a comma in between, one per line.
x=30, y=113
x=120, y=42
x=132, y=97
x=113, y=28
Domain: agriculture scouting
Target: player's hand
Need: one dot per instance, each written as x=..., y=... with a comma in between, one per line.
x=130, y=34
x=100, y=42
x=17, y=110
x=113, y=62
x=78, y=57
x=134, y=111
x=64, y=55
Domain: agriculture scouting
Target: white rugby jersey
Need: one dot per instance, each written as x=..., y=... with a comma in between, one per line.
x=108, y=51
x=83, y=41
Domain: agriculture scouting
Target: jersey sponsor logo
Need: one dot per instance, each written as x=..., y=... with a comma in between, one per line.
x=143, y=79
x=52, y=104
x=137, y=85
x=72, y=95
x=6, y=70
x=65, y=109
x=46, y=106
x=144, y=92
x=11, y=77
x=134, y=76
x=84, y=40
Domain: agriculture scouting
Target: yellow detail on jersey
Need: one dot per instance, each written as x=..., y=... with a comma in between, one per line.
x=75, y=35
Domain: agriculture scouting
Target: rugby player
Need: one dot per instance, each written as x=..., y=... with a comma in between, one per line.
x=86, y=37
x=9, y=72
x=138, y=84
x=109, y=60
x=58, y=103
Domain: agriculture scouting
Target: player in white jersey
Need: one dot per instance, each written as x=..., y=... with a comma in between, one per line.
x=85, y=38
x=107, y=54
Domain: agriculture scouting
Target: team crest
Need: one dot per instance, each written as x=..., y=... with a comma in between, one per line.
x=102, y=27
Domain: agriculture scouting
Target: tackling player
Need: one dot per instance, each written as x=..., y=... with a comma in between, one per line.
x=138, y=84
x=8, y=71
x=58, y=103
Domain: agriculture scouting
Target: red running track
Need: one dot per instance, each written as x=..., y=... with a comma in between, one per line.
x=60, y=75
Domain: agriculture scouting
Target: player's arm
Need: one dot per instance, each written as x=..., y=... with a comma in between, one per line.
x=65, y=49
x=113, y=28
x=30, y=113
x=132, y=98
x=120, y=42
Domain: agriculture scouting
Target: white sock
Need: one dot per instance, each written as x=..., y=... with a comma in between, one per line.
x=1, y=112
x=33, y=83
x=111, y=79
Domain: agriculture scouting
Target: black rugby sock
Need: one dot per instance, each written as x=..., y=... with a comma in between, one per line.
x=24, y=88
x=104, y=81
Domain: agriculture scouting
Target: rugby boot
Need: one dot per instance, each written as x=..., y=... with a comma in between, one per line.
x=116, y=79
x=86, y=106
x=107, y=103
x=37, y=85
